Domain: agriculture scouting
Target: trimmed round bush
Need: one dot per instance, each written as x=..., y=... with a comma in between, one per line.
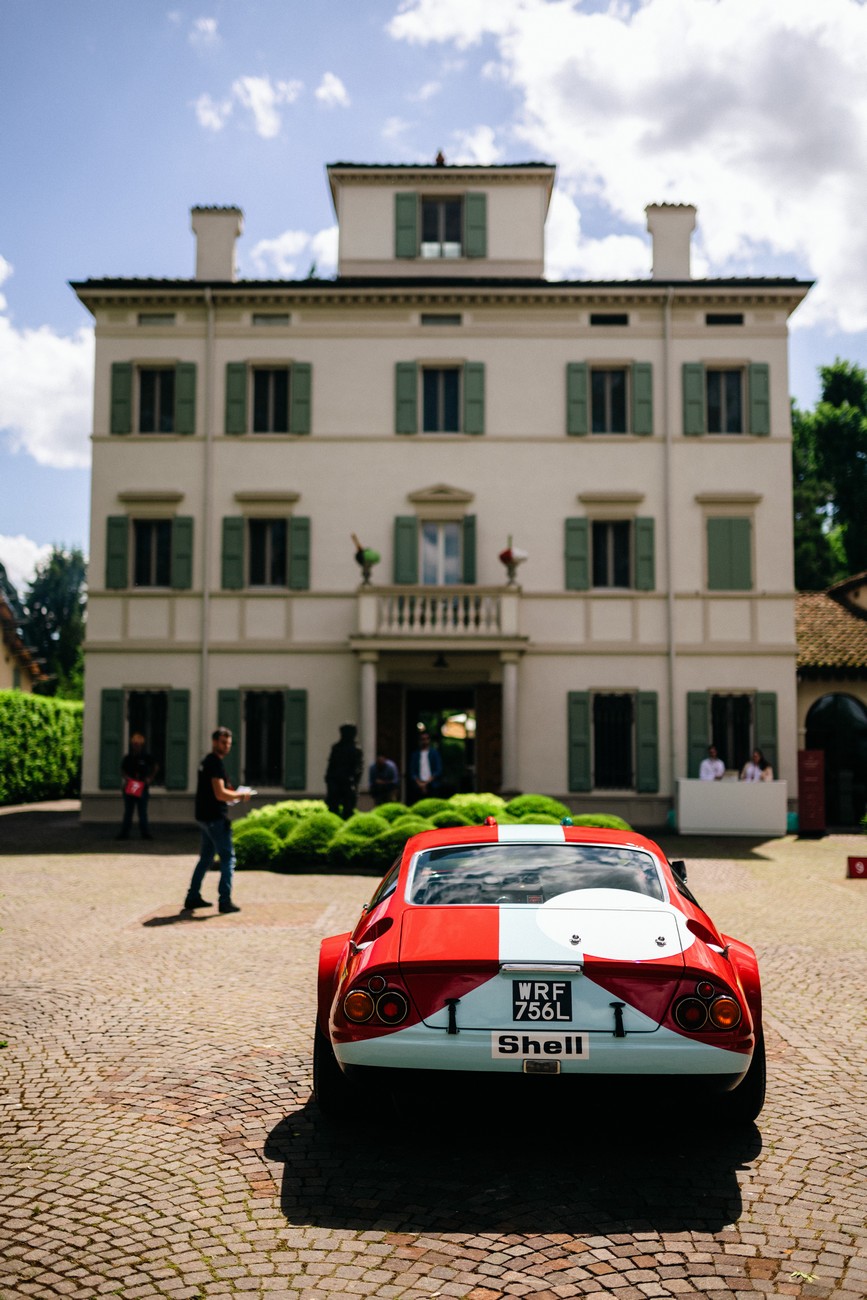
x=450, y=817
x=541, y=804
x=478, y=806
x=539, y=819
x=427, y=807
x=390, y=811
x=364, y=826
x=345, y=849
x=606, y=821
x=411, y=825
x=308, y=844
x=256, y=849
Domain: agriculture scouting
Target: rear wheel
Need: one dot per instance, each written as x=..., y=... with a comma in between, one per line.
x=335, y=1096
x=744, y=1104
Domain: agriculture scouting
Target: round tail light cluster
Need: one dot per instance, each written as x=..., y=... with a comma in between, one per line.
x=709, y=1009
x=376, y=1002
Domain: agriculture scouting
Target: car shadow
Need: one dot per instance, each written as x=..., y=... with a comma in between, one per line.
x=533, y=1167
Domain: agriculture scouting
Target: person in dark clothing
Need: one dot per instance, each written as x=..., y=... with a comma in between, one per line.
x=383, y=778
x=214, y=792
x=138, y=769
x=343, y=774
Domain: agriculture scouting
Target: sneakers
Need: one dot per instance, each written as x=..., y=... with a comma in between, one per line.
x=193, y=901
x=226, y=905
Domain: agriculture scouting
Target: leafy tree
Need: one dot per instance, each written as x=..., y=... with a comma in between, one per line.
x=830, y=479
x=55, y=604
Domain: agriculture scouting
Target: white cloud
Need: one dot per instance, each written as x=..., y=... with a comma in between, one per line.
x=263, y=97
x=476, y=147
x=393, y=128
x=569, y=255
x=331, y=92
x=21, y=557
x=291, y=254
x=46, y=383
x=426, y=92
x=211, y=114
x=757, y=113
x=204, y=33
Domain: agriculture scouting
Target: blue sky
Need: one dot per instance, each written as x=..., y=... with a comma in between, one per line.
x=122, y=114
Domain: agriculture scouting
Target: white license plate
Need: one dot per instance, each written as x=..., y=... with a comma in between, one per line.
x=521, y=1046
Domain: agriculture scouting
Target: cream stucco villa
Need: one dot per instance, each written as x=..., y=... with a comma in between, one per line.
x=436, y=400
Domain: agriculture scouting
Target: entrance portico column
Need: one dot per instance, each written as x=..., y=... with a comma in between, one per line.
x=367, y=711
x=510, y=720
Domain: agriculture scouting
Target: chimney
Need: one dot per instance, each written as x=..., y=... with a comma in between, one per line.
x=216, y=230
x=670, y=226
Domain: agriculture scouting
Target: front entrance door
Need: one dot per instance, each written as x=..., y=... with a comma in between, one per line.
x=837, y=724
x=465, y=724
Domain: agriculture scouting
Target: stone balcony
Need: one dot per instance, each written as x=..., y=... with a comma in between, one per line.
x=427, y=614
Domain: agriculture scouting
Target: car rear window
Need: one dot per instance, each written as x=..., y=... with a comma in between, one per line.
x=528, y=873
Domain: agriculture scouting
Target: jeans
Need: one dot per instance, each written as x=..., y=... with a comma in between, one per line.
x=129, y=806
x=216, y=838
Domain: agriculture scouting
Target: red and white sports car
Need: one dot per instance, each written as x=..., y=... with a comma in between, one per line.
x=553, y=950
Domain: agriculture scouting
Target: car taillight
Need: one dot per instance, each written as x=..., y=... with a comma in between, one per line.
x=358, y=1006
x=392, y=1007
x=705, y=989
x=378, y=1002
x=690, y=1013
x=725, y=1013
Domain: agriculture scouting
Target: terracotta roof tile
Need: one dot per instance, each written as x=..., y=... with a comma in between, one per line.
x=828, y=634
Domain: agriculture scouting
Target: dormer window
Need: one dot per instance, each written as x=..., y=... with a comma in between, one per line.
x=442, y=222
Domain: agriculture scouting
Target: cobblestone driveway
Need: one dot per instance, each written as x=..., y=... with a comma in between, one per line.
x=160, y=1139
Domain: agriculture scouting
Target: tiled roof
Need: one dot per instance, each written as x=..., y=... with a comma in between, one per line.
x=830, y=635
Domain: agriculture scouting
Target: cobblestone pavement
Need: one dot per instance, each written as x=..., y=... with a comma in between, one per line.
x=160, y=1140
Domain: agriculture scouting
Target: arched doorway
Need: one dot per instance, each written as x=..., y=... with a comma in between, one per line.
x=837, y=724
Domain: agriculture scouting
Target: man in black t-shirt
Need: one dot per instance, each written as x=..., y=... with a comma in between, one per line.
x=213, y=792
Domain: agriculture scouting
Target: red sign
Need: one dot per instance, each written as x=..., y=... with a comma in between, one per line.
x=857, y=868
x=811, y=791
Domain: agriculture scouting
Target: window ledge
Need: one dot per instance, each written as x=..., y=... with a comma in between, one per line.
x=151, y=496
x=728, y=498
x=611, y=498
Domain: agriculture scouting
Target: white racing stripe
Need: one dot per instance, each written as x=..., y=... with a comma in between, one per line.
x=531, y=834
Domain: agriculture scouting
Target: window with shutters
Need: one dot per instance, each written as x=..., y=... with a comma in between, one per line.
x=268, y=547
x=442, y=225
x=440, y=553
x=441, y=399
x=725, y=401
x=729, y=553
x=732, y=728
x=271, y=399
x=263, y=739
x=156, y=400
x=613, y=742
x=609, y=399
x=612, y=552
x=152, y=552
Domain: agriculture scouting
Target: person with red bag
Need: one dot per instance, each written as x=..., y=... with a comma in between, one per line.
x=138, y=769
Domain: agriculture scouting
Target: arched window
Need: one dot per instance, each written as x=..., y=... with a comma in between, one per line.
x=837, y=724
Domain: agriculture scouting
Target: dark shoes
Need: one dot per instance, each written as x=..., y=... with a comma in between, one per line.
x=193, y=901
x=226, y=905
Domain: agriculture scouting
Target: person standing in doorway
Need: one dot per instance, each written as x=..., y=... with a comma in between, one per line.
x=383, y=778
x=425, y=770
x=343, y=773
x=214, y=793
x=138, y=769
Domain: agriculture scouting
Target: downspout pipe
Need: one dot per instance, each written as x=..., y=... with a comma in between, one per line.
x=206, y=724
x=669, y=543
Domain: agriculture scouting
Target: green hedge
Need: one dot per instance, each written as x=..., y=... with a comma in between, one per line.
x=40, y=747
x=300, y=834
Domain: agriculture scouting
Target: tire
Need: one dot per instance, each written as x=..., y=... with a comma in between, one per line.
x=744, y=1104
x=335, y=1096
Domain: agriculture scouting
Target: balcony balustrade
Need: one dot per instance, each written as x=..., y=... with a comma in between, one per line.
x=419, y=613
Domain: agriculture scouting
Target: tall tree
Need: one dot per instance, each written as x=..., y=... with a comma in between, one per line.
x=829, y=449
x=55, y=604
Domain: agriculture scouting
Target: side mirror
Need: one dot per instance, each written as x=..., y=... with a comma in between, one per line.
x=678, y=866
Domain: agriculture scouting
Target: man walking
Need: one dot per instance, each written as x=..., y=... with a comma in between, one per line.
x=213, y=793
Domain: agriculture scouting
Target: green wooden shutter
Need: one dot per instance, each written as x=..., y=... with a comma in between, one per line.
x=642, y=397
x=760, y=399
x=474, y=397
x=236, y=397
x=121, y=397
x=301, y=393
x=406, y=225
x=729, y=555
x=475, y=225
x=645, y=562
x=647, y=742
x=577, y=554
x=111, y=741
x=697, y=730
x=117, y=552
x=185, y=397
x=406, y=397
x=579, y=741
x=693, y=398
x=182, y=553
x=766, y=726
x=469, y=549
x=406, y=549
x=233, y=553
x=229, y=715
x=299, y=553
x=177, y=740
x=577, y=405
x=295, y=736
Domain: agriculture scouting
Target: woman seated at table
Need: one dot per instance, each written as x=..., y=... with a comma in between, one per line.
x=757, y=769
